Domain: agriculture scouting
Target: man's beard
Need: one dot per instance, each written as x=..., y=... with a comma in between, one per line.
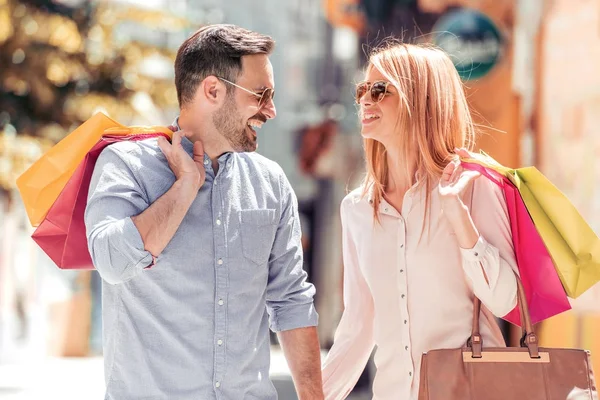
x=233, y=127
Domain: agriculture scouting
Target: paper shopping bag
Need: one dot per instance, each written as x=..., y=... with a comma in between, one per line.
x=62, y=233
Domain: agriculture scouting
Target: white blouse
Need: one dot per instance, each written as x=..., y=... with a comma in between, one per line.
x=408, y=292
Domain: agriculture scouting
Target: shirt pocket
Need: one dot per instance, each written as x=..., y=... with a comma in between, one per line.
x=257, y=229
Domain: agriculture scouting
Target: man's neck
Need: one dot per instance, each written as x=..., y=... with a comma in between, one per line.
x=214, y=144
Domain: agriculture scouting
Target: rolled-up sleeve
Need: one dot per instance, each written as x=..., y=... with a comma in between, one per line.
x=493, y=254
x=115, y=244
x=289, y=295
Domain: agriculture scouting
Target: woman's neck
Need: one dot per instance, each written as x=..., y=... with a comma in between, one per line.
x=399, y=180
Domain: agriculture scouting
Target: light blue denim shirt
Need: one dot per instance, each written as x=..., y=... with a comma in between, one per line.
x=196, y=324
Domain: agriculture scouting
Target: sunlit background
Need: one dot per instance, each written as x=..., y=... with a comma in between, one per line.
x=530, y=68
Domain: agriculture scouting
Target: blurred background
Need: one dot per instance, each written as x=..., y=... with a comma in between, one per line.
x=530, y=68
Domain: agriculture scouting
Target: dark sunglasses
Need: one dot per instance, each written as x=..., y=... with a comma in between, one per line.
x=377, y=89
x=263, y=98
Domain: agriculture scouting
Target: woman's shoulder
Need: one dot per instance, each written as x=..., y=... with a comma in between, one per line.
x=484, y=190
x=356, y=207
x=354, y=197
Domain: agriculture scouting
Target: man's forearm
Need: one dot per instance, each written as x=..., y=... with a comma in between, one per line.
x=303, y=354
x=159, y=222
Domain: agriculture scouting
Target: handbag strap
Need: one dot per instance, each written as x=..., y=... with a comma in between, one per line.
x=529, y=338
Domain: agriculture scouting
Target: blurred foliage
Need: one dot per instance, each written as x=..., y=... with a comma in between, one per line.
x=60, y=64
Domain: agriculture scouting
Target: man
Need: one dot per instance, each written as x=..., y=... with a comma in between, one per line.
x=198, y=241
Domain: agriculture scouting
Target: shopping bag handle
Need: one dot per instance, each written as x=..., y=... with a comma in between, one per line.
x=137, y=130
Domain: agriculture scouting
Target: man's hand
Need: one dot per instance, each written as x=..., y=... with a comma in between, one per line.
x=183, y=166
x=159, y=222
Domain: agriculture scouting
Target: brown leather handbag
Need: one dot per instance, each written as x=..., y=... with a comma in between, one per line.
x=504, y=373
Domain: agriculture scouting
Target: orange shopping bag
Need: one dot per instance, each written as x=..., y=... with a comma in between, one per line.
x=41, y=184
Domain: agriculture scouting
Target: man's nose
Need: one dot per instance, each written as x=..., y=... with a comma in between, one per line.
x=269, y=109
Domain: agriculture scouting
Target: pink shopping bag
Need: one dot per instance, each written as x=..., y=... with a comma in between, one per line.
x=544, y=292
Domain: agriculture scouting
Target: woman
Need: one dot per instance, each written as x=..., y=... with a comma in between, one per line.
x=421, y=237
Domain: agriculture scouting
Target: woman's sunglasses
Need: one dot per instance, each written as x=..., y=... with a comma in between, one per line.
x=263, y=98
x=378, y=90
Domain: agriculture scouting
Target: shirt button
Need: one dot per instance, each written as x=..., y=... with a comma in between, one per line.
x=219, y=342
x=405, y=322
x=402, y=245
x=476, y=254
x=221, y=302
x=220, y=261
x=206, y=162
x=218, y=222
x=215, y=183
x=410, y=374
x=403, y=296
x=218, y=384
x=401, y=270
x=405, y=347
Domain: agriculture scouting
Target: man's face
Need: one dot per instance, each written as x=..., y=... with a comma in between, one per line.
x=240, y=117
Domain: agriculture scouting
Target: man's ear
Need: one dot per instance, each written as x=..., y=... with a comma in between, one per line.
x=212, y=90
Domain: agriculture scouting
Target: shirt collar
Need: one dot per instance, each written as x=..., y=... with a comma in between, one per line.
x=409, y=191
x=409, y=198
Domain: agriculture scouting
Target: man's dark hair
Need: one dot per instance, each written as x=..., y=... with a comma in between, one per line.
x=215, y=50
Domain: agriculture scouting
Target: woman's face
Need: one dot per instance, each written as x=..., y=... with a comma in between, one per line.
x=378, y=119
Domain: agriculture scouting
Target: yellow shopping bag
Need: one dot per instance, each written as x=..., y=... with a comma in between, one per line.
x=41, y=184
x=572, y=244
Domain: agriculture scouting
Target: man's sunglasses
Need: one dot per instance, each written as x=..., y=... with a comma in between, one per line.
x=263, y=98
x=378, y=90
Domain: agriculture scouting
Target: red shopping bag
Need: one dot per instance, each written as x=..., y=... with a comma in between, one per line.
x=544, y=292
x=62, y=233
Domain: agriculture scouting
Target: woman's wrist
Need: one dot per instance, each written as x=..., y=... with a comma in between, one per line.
x=460, y=220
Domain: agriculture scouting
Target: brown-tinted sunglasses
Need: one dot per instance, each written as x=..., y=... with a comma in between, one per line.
x=378, y=90
x=263, y=98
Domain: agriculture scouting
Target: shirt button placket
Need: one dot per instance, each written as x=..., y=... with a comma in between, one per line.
x=220, y=289
x=403, y=287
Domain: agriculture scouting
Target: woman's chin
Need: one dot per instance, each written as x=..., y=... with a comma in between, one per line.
x=367, y=133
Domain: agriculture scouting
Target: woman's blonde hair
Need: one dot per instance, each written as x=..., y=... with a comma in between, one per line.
x=433, y=116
